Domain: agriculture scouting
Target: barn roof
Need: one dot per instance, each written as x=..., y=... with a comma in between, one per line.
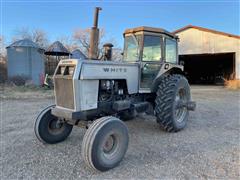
x=206, y=30
x=57, y=49
x=24, y=43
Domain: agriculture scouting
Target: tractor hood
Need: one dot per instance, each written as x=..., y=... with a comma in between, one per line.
x=76, y=82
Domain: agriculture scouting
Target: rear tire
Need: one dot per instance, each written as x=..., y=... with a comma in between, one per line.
x=48, y=129
x=105, y=143
x=172, y=89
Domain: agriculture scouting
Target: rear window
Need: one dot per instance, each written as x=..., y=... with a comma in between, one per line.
x=171, y=51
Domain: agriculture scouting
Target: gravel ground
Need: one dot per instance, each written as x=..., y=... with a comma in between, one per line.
x=207, y=148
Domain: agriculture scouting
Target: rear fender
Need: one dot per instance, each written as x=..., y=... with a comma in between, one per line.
x=166, y=69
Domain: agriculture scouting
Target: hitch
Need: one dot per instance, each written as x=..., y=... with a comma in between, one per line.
x=190, y=105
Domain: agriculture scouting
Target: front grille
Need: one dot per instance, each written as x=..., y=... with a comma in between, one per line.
x=64, y=91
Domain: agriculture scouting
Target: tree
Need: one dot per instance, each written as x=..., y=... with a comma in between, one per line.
x=117, y=54
x=2, y=48
x=39, y=37
x=3, y=65
x=36, y=35
x=81, y=37
x=68, y=42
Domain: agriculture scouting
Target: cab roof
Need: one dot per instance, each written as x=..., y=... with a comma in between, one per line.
x=149, y=29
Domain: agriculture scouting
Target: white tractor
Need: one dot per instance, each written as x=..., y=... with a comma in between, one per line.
x=101, y=95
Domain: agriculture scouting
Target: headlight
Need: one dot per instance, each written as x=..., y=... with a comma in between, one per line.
x=71, y=70
x=62, y=69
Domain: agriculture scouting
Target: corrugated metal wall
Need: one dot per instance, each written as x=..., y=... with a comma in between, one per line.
x=26, y=61
x=37, y=70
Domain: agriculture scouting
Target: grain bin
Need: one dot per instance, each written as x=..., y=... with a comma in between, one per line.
x=26, y=59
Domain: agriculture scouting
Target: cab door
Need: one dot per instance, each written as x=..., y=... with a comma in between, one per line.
x=152, y=54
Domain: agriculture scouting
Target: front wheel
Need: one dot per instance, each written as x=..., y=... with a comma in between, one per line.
x=49, y=129
x=173, y=92
x=105, y=143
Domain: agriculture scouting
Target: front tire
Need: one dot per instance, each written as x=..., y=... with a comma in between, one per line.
x=172, y=90
x=105, y=143
x=48, y=128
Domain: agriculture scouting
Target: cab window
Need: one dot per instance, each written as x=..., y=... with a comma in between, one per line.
x=171, y=51
x=152, y=48
x=131, y=48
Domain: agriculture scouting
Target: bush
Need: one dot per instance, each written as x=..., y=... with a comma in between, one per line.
x=3, y=72
x=232, y=84
x=19, y=80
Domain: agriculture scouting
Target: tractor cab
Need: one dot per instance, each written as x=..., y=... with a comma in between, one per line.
x=151, y=47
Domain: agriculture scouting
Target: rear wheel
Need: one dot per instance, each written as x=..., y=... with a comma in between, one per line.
x=49, y=129
x=172, y=91
x=105, y=143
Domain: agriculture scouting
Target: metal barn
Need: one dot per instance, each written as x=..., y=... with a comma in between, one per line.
x=77, y=54
x=25, y=58
x=209, y=56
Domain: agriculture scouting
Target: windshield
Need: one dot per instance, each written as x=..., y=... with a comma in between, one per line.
x=131, y=51
x=152, y=48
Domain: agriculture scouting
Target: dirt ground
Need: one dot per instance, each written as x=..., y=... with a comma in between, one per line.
x=208, y=148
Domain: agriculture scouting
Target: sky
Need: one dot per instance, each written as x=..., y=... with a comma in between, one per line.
x=61, y=18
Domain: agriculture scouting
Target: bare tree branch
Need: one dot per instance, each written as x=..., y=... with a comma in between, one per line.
x=2, y=48
x=82, y=38
x=36, y=35
x=68, y=42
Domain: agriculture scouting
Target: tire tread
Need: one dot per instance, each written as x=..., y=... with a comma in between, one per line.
x=164, y=101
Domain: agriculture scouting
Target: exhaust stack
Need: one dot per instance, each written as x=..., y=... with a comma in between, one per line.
x=94, y=37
